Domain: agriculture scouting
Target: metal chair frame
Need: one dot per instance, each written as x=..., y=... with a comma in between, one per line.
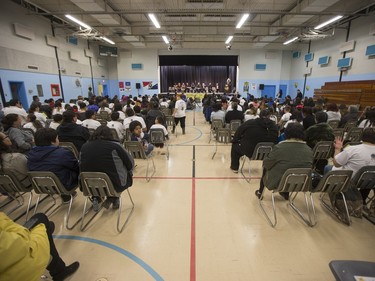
x=115, y=135
x=334, y=123
x=10, y=185
x=261, y=150
x=294, y=180
x=223, y=135
x=349, y=125
x=338, y=132
x=157, y=136
x=136, y=150
x=354, y=135
x=169, y=121
x=233, y=125
x=335, y=182
x=45, y=182
x=99, y=184
x=215, y=124
x=71, y=147
x=322, y=150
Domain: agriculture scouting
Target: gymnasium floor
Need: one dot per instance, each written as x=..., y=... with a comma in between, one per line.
x=197, y=220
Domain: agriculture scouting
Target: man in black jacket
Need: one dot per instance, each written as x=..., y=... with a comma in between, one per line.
x=249, y=134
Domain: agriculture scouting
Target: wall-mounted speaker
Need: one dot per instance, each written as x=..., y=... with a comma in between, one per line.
x=261, y=86
x=137, y=86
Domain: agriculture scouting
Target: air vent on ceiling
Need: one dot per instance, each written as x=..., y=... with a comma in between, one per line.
x=219, y=16
x=180, y=16
x=205, y=1
x=33, y=67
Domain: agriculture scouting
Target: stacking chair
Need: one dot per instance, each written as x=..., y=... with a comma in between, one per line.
x=166, y=111
x=294, y=181
x=262, y=149
x=45, y=182
x=71, y=147
x=169, y=121
x=215, y=124
x=223, y=135
x=99, y=184
x=10, y=185
x=349, y=125
x=115, y=135
x=104, y=115
x=364, y=180
x=323, y=150
x=136, y=150
x=233, y=125
x=354, y=135
x=339, y=132
x=157, y=137
x=334, y=123
x=128, y=135
x=332, y=183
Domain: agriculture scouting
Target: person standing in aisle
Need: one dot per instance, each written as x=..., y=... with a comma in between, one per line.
x=179, y=113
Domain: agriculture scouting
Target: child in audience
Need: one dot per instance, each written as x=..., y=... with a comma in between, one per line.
x=135, y=128
x=57, y=119
x=115, y=124
x=159, y=125
x=32, y=123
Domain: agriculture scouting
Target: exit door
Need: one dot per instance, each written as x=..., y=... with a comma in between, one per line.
x=18, y=91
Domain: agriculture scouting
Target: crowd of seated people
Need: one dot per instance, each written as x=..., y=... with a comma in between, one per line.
x=195, y=87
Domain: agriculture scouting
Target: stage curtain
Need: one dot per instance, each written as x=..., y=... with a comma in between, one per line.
x=173, y=74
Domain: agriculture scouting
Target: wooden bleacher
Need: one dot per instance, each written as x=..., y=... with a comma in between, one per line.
x=348, y=92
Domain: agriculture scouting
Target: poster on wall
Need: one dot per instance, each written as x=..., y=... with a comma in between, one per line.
x=246, y=87
x=128, y=86
x=55, y=90
x=253, y=86
x=150, y=86
x=121, y=86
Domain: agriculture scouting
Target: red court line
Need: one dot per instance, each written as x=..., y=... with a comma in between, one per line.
x=192, y=235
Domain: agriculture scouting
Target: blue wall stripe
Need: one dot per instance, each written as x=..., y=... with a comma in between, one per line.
x=134, y=258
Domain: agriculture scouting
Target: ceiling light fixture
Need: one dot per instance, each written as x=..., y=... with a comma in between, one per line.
x=78, y=21
x=328, y=22
x=154, y=20
x=242, y=21
x=165, y=39
x=291, y=40
x=229, y=39
x=107, y=40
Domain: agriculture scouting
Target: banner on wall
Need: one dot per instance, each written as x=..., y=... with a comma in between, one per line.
x=121, y=86
x=246, y=87
x=128, y=86
x=253, y=86
x=149, y=85
x=55, y=90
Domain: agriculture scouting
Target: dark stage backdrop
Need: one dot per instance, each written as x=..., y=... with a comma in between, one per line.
x=188, y=69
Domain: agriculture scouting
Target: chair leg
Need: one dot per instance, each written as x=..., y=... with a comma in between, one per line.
x=241, y=169
x=148, y=178
x=274, y=222
x=120, y=229
x=213, y=155
x=14, y=197
x=346, y=220
x=310, y=221
x=68, y=215
x=86, y=211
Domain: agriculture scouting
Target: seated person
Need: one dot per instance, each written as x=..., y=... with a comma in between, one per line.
x=57, y=119
x=32, y=123
x=103, y=154
x=30, y=250
x=22, y=141
x=130, y=116
x=115, y=124
x=90, y=122
x=291, y=153
x=48, y=156
x=135, y=128
x=159, y=125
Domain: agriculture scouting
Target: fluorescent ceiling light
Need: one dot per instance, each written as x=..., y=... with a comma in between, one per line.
x=327, y=22
x=154, y=20
x=242, y=21
x=78, y=21
x=290, y=41
x=229, y=39
x=107, y=40
x=165, y=39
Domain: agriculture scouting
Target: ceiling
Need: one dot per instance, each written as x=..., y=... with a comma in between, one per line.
x=197, y=24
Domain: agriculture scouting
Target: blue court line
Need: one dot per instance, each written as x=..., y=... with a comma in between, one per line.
x=134, y=258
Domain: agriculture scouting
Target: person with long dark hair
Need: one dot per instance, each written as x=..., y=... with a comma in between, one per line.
x=22, y=141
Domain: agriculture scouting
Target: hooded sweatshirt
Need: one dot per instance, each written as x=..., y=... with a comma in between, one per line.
x=253, y=131
x=71, y=132
x=55, y=159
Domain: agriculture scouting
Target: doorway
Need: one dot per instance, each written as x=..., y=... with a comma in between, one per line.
x=18, y=91
x=269, y=91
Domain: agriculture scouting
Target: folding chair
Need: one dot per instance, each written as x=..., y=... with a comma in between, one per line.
x=115, y=135
x=233, y=125
x=223, y=135
x=322, y=151
x=294, y=180
x=169, y=121
x=137, y=151
x=11, y=186
x=71, y=147
x=354, y=135
x=157, y=137
x=99, y=184
x=261, y=150
x=128, y=135
x=215, y=124
x=45, y=182
x=334, y=123
x=332, y=183
x=339, y=132
x=364, y=180
x=349, y=125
